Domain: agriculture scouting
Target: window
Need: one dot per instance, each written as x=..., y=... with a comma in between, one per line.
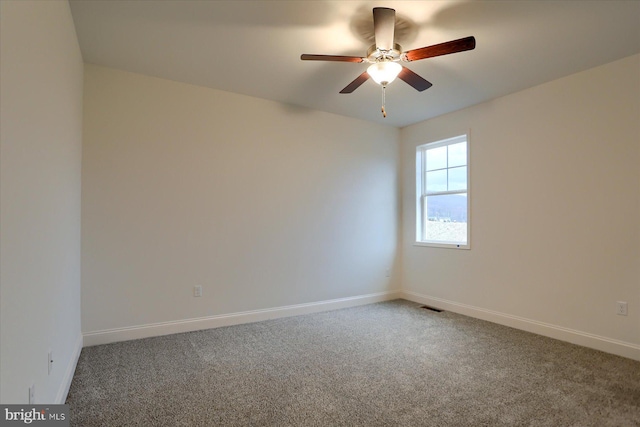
x=442, y=193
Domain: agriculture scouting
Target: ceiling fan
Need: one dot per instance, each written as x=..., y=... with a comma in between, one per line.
x=385, y=55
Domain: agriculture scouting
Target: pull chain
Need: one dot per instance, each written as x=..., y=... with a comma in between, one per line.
x=384, y=113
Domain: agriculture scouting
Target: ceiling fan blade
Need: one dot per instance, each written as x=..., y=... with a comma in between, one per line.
x=414, y=80
x=339, y=58
x=356, y=83
x=384, y=22
x=454, y=46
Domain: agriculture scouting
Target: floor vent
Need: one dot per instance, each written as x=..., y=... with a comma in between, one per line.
x=426, y=307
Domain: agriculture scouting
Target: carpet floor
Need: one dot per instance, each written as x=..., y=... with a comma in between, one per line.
x=385, y=364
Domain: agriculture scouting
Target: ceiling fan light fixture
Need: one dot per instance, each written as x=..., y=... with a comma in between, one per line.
x=384, y=72
x=384, y=55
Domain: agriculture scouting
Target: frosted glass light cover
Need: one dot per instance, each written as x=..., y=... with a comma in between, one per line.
x=384, y=73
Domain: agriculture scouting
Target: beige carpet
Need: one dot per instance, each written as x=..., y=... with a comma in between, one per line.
x=386, y=364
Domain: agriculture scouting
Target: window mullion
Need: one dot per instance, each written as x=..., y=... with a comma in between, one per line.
x=436, y=170
x=444, y=193
x=447, y=168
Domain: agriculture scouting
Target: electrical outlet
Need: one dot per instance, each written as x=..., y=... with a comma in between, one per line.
x=388, y=272
x=621, y=308
x=50, y=362
x=197, y=291
x=32, y=394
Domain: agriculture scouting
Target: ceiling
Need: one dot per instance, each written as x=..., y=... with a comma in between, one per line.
x=253, y=47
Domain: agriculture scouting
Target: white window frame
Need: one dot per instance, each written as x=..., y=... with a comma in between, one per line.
x=421, y=194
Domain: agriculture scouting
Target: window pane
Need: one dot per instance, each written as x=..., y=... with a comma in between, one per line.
x=437, y=181
x=446, y=218
x=458, y=178
x=437, y=158
x=457, y=154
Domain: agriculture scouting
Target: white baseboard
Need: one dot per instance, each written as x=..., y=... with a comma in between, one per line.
x=608, y=345
x=188, y=325
x=63, y=391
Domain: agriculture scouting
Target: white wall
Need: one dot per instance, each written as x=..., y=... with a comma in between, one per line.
x=263, y=204
x=555, y=205
x=40, y=164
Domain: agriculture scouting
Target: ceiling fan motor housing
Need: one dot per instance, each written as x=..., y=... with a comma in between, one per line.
x=377, y=55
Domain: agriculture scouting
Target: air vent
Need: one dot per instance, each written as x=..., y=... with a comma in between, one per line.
x=426, y=307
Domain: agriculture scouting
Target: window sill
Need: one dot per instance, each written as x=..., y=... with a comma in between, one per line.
x=443, y=245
